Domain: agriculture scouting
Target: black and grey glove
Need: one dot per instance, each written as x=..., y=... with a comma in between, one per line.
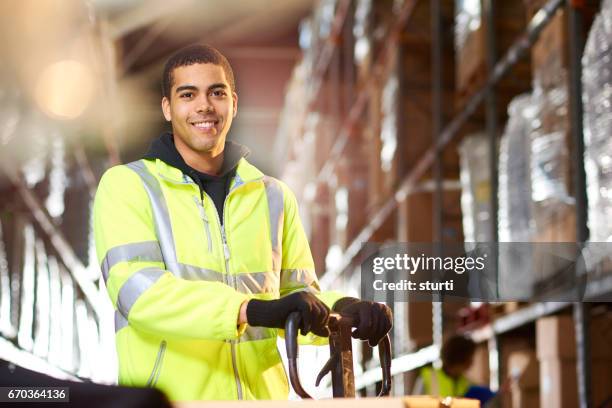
x=273, y=313
x=373, y=320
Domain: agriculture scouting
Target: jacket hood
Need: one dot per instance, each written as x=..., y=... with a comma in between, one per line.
x=163, y=148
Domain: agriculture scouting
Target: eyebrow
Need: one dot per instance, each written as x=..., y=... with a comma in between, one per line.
x=195, y=88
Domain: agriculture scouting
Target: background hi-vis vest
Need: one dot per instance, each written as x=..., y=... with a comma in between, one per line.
x=437, y=383
x=177, y=278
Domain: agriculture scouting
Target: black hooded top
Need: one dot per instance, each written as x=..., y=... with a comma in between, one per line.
x=216, y=187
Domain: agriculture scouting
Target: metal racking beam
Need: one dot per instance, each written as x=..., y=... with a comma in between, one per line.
x=57, y=239
x=437, y=116
x=581, y=311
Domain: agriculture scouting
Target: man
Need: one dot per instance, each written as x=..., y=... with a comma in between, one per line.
x=457, y=355
x=204, y=256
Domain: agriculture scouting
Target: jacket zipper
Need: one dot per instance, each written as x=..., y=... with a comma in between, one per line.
x=152, y=381
x=227, y=277
x=206, y=222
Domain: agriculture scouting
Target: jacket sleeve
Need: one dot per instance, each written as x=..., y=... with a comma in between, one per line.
x=297, y=266
x=151, y=298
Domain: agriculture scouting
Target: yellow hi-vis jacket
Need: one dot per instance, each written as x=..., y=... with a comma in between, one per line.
x=177, y=278
x=436, y=382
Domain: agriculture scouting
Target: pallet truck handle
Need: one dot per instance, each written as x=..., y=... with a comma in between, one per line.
x=291, y=344
x=384, y=355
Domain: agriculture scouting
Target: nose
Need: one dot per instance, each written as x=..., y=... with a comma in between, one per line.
x=205, y=106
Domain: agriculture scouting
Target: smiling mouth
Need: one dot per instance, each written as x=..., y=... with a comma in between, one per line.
x=205, y=125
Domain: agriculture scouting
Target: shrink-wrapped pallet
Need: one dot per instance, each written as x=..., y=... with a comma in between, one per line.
x=597, y=99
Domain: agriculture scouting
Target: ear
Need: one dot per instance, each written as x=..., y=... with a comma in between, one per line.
x=165, y=105
x=235, y=99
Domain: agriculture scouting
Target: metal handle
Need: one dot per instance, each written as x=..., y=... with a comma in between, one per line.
x=384, y=355
x=292, y=326
x=291, y=343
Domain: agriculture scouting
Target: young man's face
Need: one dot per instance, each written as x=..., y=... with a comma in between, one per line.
x=201, y=108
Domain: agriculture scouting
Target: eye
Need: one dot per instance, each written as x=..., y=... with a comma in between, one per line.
x=218, y=93
x=186, y=95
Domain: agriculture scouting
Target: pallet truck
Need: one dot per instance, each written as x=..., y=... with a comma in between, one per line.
x=340, y=363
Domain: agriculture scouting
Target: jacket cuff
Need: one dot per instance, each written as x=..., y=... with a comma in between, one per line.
x=230, y=326
x=257, y=312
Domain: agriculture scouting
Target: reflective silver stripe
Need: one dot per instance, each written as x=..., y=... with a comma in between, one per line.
x=135, y=286
x=120, y=321
x=274, y=194
x=161, y=216
x=190, y=272
x=297, y=278
x=247, y=282
x=258, y=333
x=257, y=282
x=147, y=251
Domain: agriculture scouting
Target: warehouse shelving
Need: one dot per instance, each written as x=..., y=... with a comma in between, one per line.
x=443, y=134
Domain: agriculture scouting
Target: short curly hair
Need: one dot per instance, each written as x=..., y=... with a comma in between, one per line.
x=457, y=350
x=195, y=54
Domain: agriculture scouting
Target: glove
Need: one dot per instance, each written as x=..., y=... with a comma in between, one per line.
x=373, y=320
x=273, y=313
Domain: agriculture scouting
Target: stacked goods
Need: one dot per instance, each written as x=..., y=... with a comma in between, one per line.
x=556, y=351
x=475, y=188
x=514, y=175
x=381, y=133
x=350, y=195
x=379, y=129
x=523, y=370
x=601, y=354
x=597, y=98
x=471, y=48
x=469, y=39
x=372, y=21
x=550, y=53
x=515, y=217
x=551, y=181
x=314, y=32
x=479, y=372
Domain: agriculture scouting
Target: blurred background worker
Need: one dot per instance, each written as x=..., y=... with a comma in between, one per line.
x=457, y=356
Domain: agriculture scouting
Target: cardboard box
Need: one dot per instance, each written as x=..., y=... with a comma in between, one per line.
x=471, y=58
x=479, y=372
x=550, y=53
x=601, y=381
x=392, y=402
x=558, y=383
x=521, y=398
x=558, y=225
x=415, y=217
x=416, y=329
x=601, y=337
x=555, y=338
x=524, y=369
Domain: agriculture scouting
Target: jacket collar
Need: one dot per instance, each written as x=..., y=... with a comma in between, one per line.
x=171, y=166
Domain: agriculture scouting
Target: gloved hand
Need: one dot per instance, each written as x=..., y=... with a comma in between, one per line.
x=373, y=320
x=273, y=313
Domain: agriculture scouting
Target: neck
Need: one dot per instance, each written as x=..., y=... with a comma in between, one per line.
x=450, y=373
x=205, y=162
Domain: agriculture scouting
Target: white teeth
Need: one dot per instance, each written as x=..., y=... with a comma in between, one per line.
x=204, y=125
